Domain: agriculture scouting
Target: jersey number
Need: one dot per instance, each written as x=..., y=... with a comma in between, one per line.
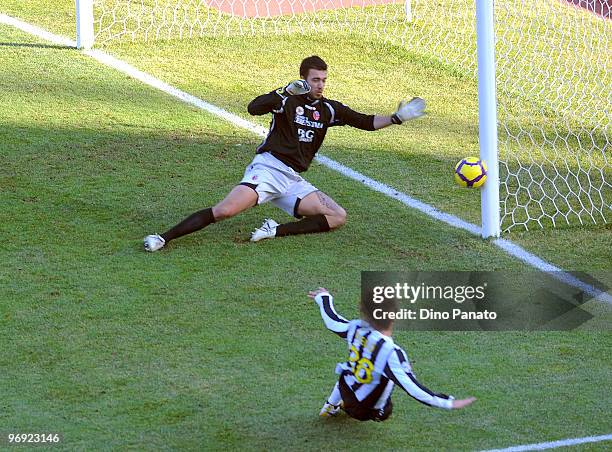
x=362, y=367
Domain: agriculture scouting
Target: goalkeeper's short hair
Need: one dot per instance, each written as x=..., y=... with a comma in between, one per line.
x=312, y=62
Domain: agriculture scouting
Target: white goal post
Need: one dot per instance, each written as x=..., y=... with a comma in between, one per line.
x=84, y=24
x=542, y=67
x=487, y=118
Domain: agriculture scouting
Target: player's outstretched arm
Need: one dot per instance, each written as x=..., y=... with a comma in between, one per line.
x=333, y=321
x=458, y=404
x=399, y=371
x=406, y=110
x=274, y=101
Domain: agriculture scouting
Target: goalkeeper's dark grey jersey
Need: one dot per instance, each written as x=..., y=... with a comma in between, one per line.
x=375, y=364
x=299, y=125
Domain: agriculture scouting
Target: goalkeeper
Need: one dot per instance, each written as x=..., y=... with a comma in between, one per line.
x=301, y=116
x=374, y=366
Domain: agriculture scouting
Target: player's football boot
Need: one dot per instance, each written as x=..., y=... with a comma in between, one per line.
x=154, y=242
x=330, y=410
x=266, y=231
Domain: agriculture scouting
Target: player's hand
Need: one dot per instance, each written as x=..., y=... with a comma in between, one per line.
x=412, y=109
x=297, y=87
x=462, y=403
x=313, y=293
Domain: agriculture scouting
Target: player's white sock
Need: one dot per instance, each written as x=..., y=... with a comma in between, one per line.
x=335, y=398
x=333, y=404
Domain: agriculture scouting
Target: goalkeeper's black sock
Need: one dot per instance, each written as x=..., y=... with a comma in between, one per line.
x=308, y=225
x=192, y=223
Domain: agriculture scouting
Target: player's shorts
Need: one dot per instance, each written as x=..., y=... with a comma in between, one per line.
x=358, y=410
x=277, y=183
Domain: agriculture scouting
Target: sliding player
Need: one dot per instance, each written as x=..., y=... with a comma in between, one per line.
x=375, y=365
x=300, y=119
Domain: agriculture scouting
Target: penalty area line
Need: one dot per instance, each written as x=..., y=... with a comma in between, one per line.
x=509, y=247
x=554, y=444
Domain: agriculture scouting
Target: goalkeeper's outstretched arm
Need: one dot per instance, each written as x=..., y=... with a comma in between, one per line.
x=333, y=321
x=406, y=110
x=266, y=103
x=274, y=101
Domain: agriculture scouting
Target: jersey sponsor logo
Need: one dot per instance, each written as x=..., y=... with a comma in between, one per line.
x=305, y=136
x=316, y=115
x=299, y=110
x=303, y=121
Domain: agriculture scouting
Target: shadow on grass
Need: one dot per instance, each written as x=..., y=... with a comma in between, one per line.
x=31, y=45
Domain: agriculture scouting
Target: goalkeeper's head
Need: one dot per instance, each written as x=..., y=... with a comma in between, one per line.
x=314, y=70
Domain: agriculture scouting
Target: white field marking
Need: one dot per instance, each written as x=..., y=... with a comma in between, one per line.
x=147, y=79
x=36, y=31
x=506, y=245
x=554, y=444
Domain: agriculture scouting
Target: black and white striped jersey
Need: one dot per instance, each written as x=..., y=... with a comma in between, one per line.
x=299, y=124
x=375, y=363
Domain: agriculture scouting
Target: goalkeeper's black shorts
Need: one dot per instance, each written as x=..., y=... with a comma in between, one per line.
x=360, y=411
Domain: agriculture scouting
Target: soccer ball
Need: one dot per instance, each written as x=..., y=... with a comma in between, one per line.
x=471, y=172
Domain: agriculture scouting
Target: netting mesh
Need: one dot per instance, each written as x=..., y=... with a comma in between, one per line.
x=553, y=77
x=162, y=19
x=554, y=83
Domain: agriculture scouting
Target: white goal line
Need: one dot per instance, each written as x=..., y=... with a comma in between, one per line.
x=508, y=246
x=554, y=444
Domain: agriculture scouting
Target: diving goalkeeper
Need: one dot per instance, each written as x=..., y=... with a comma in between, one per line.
x=300, y=119
x=374, y=366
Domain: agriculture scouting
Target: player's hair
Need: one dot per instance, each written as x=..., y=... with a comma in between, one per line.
x=367, y=307
x=312, y=62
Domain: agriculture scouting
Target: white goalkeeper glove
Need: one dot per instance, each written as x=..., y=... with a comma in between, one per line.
x=407, y=110
x=297, y=88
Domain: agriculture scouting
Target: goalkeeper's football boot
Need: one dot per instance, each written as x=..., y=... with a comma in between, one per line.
x=266, y=231
x=330, y=410
x=154, y=242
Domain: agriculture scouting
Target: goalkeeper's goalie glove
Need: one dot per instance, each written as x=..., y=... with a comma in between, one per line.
x=297, y=87
x=406, y=110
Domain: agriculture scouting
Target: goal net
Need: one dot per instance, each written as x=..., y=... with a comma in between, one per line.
x=553, y=78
